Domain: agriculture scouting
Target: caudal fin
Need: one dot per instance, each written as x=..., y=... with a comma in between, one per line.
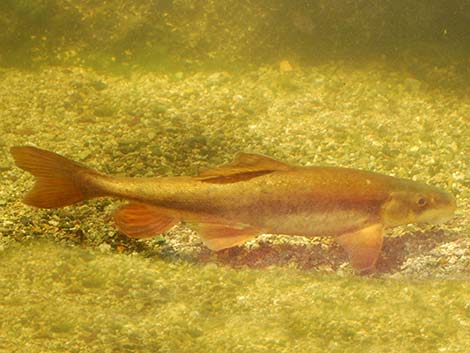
x=59, y=181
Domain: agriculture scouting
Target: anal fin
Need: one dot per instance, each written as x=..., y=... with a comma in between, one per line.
x=363, y=246
x=138, y=220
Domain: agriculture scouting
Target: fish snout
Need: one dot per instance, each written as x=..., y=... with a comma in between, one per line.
x=445, y=205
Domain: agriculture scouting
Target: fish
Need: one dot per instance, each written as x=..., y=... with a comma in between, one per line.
x=252, y=195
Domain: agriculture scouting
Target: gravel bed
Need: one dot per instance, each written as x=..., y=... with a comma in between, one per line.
x=178, y=124
x=145, y=123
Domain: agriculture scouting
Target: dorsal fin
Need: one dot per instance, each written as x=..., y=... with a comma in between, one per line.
x=244, y=167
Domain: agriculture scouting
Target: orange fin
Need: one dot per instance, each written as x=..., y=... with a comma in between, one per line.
x=363, y=246
x=58, y=180
x=217, y=236
x=245, y=166
x=138, y=220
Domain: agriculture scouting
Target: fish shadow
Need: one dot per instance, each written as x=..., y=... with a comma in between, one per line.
x=396, y=250
x=305, y=257
x=412, y=244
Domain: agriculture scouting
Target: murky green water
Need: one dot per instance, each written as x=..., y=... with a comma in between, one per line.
x=72, y=299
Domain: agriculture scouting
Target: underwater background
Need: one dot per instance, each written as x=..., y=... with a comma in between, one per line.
x=173, y=87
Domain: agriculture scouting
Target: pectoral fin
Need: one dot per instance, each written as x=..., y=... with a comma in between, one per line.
x=363, y=246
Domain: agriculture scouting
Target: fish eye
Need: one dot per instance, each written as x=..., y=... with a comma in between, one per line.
x=421, y=201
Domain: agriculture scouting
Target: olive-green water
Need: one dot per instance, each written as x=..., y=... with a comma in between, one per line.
x=173, y=87
x=68, y=299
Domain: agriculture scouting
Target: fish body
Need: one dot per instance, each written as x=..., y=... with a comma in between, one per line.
x=305, y=201
x=255, y=194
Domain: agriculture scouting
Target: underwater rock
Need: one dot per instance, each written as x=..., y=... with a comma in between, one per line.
x=105, y=110
x=98, y=85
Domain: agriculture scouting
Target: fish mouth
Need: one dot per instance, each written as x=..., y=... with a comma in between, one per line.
x=442, y=213
x=441, y=217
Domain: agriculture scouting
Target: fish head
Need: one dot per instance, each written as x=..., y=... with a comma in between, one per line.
x=418, y=203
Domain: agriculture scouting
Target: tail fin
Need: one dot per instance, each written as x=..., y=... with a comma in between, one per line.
x=59, y=181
